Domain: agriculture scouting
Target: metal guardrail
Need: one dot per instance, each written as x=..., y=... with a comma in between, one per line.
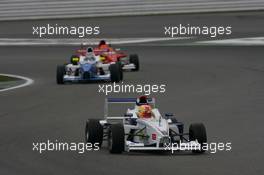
x=48, y=9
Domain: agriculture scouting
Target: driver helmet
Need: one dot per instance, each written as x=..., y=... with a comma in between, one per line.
x=75, y=59
x=103, y=46
x=89, y=50
x=144, y=111
x=142, y=100
x=102, y=42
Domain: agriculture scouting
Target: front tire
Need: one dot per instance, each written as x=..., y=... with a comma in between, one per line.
x=116, y=138
x=60, y=74
x=133, y=58
x=197, y=132
x=94, y=132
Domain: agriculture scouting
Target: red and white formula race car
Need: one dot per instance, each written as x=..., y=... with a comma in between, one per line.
x=109, y=55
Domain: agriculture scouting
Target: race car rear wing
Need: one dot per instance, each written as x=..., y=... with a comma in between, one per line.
x=127, y=100
x=123, y=101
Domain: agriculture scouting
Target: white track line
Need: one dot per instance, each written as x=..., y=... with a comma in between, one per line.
x=27, y=83
x=255, y=41
x=77, y=41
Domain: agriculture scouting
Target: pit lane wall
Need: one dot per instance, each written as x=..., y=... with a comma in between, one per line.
x=49, y=9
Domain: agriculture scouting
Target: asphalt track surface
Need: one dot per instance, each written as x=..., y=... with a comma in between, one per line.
x=222, y=87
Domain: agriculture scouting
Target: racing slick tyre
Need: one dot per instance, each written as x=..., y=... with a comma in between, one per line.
x=121, y=69
x=115, y=73
x=116, y=138
x=60, y=74
x=133, y=58
x=94, y=132
x=197, y=132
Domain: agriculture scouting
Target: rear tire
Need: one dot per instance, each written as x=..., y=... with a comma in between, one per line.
x=115, y=73
x=94, y=132
x=121, y=70
x=197, y=132
x=133, y=58
x=60, y=74
x=116, y=138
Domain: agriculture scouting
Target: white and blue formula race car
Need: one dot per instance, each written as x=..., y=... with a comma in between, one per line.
x=87, y=69
x=132, y=132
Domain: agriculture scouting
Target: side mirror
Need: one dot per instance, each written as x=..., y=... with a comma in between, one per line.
x=128, y=115
x=168, y=115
